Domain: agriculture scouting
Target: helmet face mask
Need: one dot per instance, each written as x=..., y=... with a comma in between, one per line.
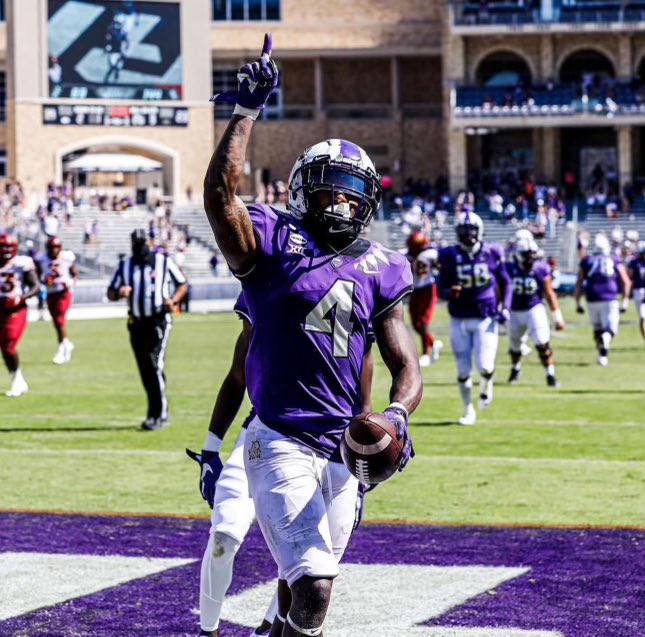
x=8, y=247
x=469, y=229
x=54, y=246
x=335, y=168
x=526, y=253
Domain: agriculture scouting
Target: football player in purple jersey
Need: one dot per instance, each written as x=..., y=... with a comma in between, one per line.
x=531, y=281
x=313, y=286
x=226, y=488
x=636, y=271
x=473, y=278
x=602, y=275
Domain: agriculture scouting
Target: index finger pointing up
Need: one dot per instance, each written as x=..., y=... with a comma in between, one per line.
x=266, y=47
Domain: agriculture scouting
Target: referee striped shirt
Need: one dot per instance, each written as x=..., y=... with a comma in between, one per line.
x=150, y=283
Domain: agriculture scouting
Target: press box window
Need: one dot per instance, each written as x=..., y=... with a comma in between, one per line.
x=247, y=10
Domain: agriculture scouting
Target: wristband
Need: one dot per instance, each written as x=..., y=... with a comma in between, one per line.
x=399, y=407
x=557, y=316
x=246, y=112
x=212, y=442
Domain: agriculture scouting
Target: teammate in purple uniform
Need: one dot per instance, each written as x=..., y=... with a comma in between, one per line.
x=226, y=488
x=470, y=274
x=313, y=287
x=602, y=275
x=531, y=281
x=636, y=271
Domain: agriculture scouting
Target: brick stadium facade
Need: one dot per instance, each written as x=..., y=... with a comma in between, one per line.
x=387, y=75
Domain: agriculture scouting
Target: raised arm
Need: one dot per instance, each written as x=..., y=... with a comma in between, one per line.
x=227, y=214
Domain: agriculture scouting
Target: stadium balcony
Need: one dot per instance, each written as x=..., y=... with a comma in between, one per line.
x=622, y=101
x=534, y=16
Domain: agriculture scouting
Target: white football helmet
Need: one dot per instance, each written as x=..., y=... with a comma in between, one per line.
x=523, y=233
x=526, y=252
x=335, y=165
x=601, y=244
x=469, y=229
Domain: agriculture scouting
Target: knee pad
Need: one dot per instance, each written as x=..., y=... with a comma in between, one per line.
x=310, y=598
x=311, y=632
x=544, y=352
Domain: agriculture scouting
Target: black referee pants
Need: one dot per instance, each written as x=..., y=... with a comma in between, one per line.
x=149, y=337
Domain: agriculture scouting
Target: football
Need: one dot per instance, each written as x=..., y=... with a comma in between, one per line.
x=370, y=449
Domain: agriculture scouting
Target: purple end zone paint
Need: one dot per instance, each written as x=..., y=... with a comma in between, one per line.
x=583, y=583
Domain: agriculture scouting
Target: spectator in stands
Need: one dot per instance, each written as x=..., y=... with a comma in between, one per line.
x=188, y=235
x=214, y=262
x=50, y=225
x=538, y=227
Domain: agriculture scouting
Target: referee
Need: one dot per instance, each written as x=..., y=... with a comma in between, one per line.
x=143, y=279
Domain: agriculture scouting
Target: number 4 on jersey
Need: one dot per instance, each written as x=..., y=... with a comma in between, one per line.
x=341, y=297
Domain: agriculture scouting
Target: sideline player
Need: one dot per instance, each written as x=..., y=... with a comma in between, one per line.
x=636, y=271
x=602, y=275
x=226, y=488
x=58, y=272
x=423, y=298
x=18, y=282
x=531, y=280
x=312, y=286
x=470, y=273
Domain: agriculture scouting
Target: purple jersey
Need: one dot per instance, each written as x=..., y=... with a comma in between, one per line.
x=528, y=287
x=311, y=311
x=600, y=277
x=479, y=275
x=240, y=307
x=637, y=271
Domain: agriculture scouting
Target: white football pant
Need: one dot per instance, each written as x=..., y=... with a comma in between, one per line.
x=232, y=516
x=304, y=503
x=474, y=335
x=604, y=316
x=534, y=321
x=639, y=301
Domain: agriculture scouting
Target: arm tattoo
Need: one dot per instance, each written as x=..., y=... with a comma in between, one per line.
x=226, y=212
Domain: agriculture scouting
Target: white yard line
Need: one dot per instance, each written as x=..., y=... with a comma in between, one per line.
x=434, y=458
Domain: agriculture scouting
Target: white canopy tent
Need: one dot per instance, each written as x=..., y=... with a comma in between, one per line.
x=113, y=163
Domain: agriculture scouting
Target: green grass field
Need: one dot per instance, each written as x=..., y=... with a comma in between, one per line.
x=574, y=455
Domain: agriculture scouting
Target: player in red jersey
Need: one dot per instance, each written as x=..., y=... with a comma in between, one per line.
x=58, y=272
x=423, y=298
x=18, y=282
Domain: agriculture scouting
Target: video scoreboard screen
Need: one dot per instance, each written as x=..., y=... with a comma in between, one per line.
x=112, y=49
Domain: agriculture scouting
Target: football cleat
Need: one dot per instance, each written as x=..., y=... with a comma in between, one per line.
x=469, y=417
x=18, y=387
x=424, y=361
x=514, y=376
x=437, y=346
x=484, y=401
x=152, y=424
x=552, y=381
x=208, y=633
x=603, y=361
x=59, y=357
x=69, y=348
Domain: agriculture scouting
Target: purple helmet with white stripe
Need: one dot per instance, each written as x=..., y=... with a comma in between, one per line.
x=335, y=166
